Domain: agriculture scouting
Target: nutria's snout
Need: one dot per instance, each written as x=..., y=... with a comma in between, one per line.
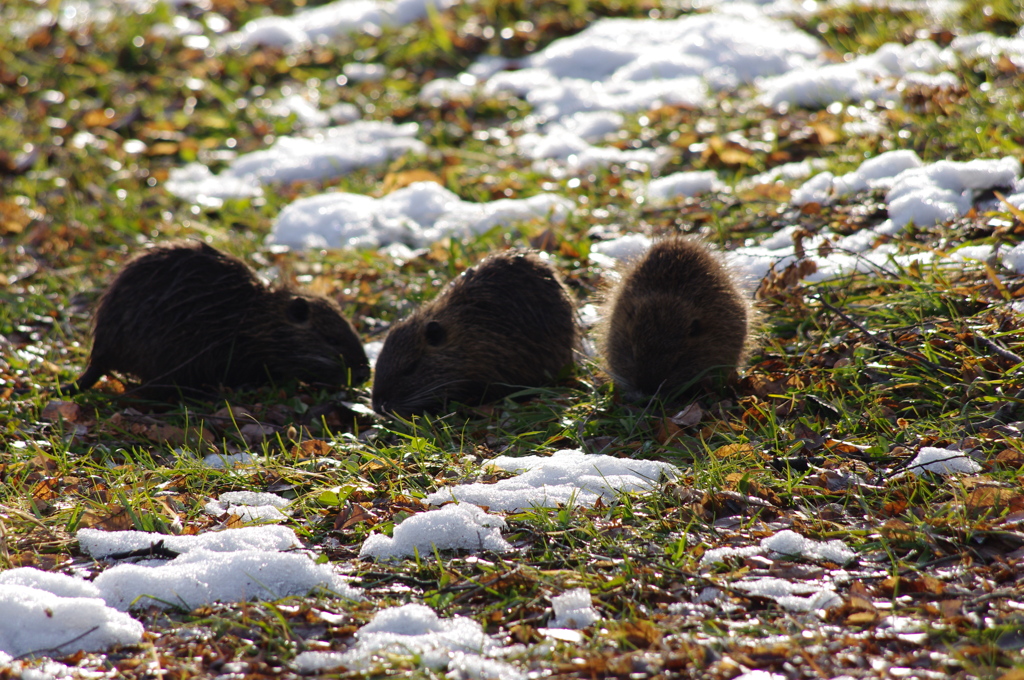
x=187, y=317
x=676, y=321
x=505, y=324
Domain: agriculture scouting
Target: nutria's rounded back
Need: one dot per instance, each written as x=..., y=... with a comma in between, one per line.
x=675, y=318
x=187, y=316
x=505, y=324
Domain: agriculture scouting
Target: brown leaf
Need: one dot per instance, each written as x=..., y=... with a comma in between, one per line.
x=951, y=609
x=670, y=427
x=397, y=180
x=13, y=218
x=352, y=514
x=117, y=520
x=567, y=249
x=98, y=118
x=163, y=149
x=546, y=241
x=1010, y=458
x=689, y=416
x=254, y=433
x=826, y=134
x=735, y=450
x=314, y=448
x=57, y=410
x=640, y=634
x=862, y=618
x=993, y=500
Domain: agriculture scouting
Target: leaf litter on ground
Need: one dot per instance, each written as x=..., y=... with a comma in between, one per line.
x=902, y=351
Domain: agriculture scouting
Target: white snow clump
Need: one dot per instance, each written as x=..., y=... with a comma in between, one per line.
x=460, y=526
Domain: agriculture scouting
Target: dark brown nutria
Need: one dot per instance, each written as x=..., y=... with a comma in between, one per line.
x=505, y=324
x=185, y=316
x=675, y=318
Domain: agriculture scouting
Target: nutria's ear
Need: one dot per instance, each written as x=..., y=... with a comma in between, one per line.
x=696, y=328
x=435, y=333
x=297, y=311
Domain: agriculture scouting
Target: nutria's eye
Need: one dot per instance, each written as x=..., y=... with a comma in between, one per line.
x=696, y=328
x=297, y=311
x=435, y=333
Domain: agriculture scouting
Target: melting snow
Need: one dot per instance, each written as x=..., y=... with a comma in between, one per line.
x=100, y=544
x=573, y=609
x=786, y=543
x=50, y=611
x=942, y=461
x=569, y=476
x=35, y=620
x=318, y=25
x=799, y=597
x=871, y=77
x=415, y=215
x=414, y=632
x=454, y=527
x=665, y=189
x=322, y=154
x=925, y=194
x=249, y=506
x=204, y=577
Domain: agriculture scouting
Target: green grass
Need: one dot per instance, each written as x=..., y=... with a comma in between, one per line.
x=814, y=436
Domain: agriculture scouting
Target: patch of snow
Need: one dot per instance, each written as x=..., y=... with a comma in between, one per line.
x=318, y=25
x=35, y=620
x=322, y=154
x=415, y=215
x=415, y=634
x=573, y=609
x=872, y=77
x=991, y=47
x=634, y=64
x=249, y=506
x=664, y=190
x=460, y=526
x=943, y=462
x=925, y=194
x=788, y=543
x=783, y=173
x=60, y=585
x=99, y=544
x=568, y=476
x=798, y=597
x=793, y=544
x=203, y=577
x=623, y=248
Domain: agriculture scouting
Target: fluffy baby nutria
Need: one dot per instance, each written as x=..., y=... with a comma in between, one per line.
x=675, y=318
x=505, y=324
x=185, y=316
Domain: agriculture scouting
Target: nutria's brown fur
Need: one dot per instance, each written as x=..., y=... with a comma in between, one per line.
x=676, y=318
x=502, y=325
x=185, y=316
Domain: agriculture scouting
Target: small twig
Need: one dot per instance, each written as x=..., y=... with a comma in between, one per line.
x=155, y=550
x=998, y=349
x=1002, y=416
x=57, y=648
x=878, y=341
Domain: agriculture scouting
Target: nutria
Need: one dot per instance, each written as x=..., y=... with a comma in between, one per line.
x=505, y=324
x=675, y=318
x=185, y=316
